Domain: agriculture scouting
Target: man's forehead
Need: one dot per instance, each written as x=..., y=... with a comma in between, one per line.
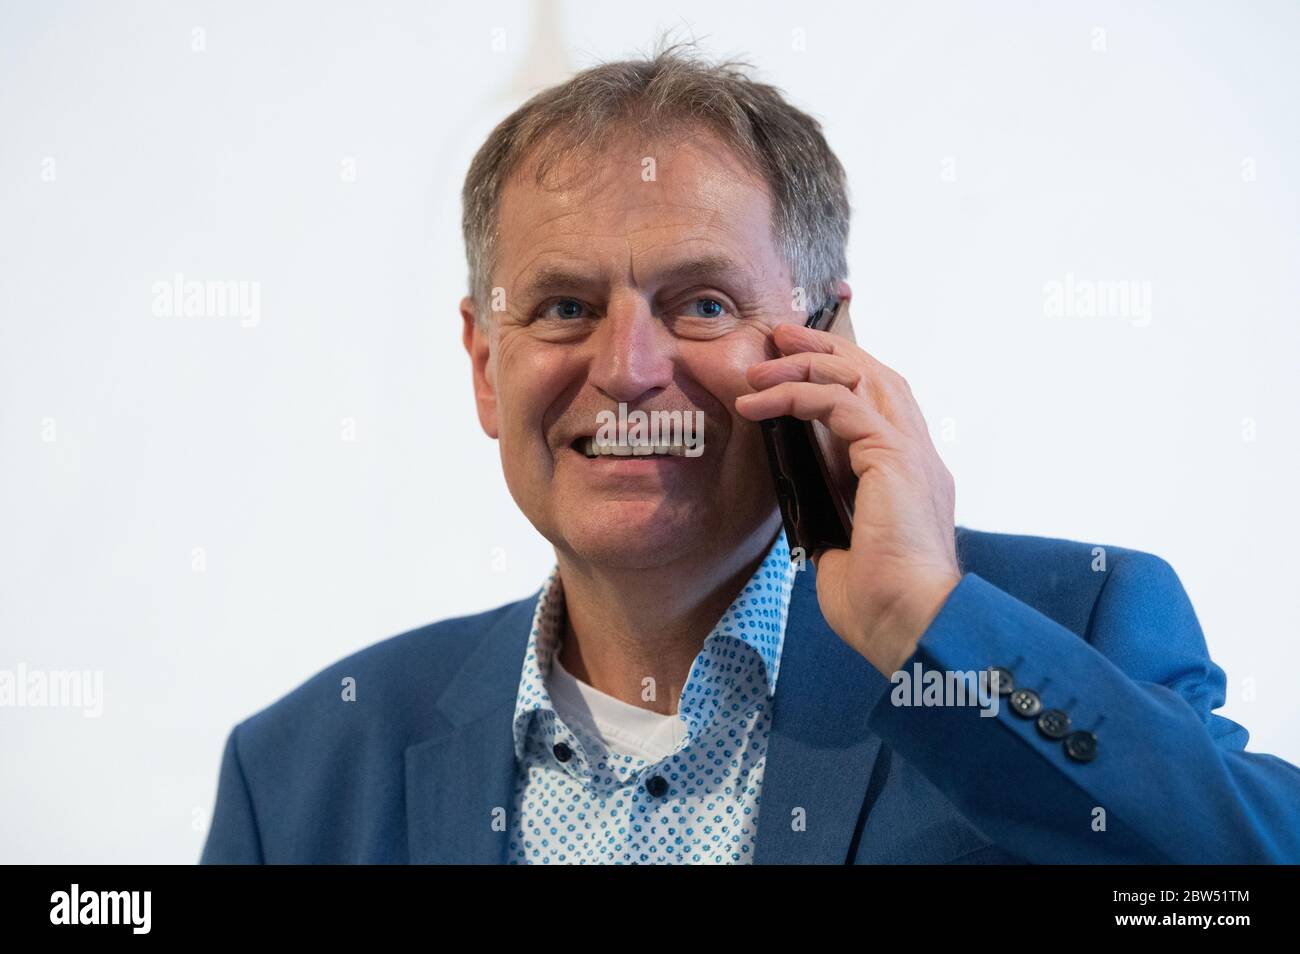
x=700, y=213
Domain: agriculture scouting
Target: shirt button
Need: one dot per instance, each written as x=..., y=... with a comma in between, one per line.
x=562, y=752
x=1054, y=723
x=656, y=785
x=1081, y=746
x=1025, y=703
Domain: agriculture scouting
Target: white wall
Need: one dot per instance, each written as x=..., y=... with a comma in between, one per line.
x=991, y=148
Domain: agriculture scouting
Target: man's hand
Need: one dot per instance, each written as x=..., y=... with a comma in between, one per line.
x=882, y=593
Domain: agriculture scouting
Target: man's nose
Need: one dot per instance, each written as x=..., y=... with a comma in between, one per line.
x=633, y=352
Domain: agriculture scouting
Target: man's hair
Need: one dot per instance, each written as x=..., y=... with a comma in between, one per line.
x=672, y=90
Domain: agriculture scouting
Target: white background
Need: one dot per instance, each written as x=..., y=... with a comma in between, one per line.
x=991, y=148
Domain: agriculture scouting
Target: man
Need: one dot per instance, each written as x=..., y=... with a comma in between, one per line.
x=651, y=237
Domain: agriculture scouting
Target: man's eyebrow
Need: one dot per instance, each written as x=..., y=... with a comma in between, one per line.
x=715, y=268
x=554, y=279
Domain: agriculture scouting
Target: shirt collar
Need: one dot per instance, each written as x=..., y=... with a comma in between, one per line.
x=744, y=644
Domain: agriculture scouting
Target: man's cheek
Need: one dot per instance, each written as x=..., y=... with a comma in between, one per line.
x=748, y=449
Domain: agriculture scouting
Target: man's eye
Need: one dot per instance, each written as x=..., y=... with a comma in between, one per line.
x=568, y=308
x=565, y=309
x=706, y=308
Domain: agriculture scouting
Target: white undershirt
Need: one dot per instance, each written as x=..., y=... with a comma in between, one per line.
x=625, y=729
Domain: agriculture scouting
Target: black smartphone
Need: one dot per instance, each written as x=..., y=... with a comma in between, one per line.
x=814, y=482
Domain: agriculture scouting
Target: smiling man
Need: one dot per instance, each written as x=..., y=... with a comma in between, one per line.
x=651, y=237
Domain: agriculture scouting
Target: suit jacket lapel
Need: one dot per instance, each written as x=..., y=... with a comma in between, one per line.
x=820, y=753
x=460, y=782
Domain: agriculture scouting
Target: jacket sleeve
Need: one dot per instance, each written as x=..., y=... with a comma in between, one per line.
x=233, y=838
x=1170, y=781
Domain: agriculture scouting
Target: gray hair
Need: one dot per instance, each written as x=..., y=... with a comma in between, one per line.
x=673, y=89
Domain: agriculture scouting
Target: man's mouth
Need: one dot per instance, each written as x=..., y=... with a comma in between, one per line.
x=594, y=449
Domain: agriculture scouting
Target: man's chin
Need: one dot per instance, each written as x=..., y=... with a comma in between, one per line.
x=635, y=535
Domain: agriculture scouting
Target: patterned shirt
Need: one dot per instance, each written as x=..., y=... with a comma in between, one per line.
x=577, y=801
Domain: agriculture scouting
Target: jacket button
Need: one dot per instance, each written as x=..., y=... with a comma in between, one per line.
x=562, y=752
x=656, y=785
x=1006, y=682
x=1025, y=703
x=1054, y=723
x=1081, y=746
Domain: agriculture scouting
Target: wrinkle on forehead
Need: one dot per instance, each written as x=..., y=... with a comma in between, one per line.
x=700, y=187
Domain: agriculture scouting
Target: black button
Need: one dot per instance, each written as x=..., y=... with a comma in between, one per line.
x=1006, y=682
x=562, y=752
x=1081, y=746
x=656, y=785
x=1025, y=703
x=1054, y=723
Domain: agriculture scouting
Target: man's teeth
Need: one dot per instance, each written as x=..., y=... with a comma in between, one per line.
x=593, y=449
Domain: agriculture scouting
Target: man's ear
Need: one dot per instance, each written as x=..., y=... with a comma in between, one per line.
x=478, y=346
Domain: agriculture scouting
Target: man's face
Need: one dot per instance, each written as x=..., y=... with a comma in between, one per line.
x=657, y=292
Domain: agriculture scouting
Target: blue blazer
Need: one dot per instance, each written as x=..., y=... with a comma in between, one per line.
x=412, y=770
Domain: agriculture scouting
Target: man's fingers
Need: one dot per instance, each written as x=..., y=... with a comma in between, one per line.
x=826, y=356
x=813, y=367
x=791, y=338
x=849, y=416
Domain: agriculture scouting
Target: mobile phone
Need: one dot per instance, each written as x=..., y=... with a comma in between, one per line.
x=814, y=482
